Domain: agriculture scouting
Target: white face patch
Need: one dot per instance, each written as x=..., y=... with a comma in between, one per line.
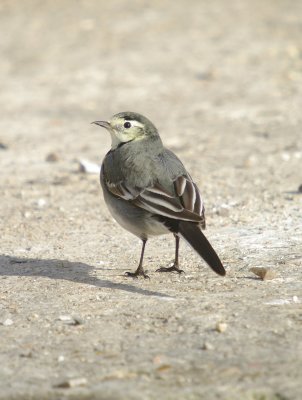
x=123, y=134
x=115, y=140
x=135, y=123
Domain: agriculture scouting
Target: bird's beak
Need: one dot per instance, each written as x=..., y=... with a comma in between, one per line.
x=104, y=124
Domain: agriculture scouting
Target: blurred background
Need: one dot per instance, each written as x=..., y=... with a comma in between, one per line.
x=70, y=62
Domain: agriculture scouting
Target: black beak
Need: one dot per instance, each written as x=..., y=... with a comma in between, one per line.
x=104, y=124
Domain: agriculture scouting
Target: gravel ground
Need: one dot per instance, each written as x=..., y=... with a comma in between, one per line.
x=223, y=83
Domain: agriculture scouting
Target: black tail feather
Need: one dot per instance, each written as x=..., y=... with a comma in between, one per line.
x=193, y=235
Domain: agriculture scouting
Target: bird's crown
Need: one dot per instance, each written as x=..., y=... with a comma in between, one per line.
x=127, y=127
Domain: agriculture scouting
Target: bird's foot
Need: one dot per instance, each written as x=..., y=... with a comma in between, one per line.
x=137, y=273
x=174, y=268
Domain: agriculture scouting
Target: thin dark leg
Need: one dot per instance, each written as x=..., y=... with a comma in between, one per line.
x=175, y=266
x=140, y=270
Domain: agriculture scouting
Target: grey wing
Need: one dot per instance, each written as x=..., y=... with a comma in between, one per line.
x=181, y=201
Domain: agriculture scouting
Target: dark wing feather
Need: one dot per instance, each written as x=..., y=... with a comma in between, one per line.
x=183, y=203
x=190, y=197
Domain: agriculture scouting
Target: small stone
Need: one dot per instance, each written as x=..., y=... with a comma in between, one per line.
x=3, y=146
x=78, y=320
x=8, y=322
x=69, y=320
x=52, y=157
x=61, y=358
x=207, y=346
x=26, y=354
x=41, y=203
x=65, y=318
x=221, y=327
x=71, y=383
x=263, y=273
x=89, y=167
x=300, y=188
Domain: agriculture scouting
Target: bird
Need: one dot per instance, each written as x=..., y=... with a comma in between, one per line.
x=149, y=192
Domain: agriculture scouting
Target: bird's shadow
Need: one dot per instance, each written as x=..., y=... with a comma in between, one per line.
x=67, y=270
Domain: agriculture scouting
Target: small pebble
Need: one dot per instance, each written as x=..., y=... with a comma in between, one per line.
x=52, y=157
x=71, y=383
x=69, y=320
x=300, y=188
x=221, y=327
x=264, y=273
x=89, y=167
x=8, y=322
x=41, y=203
x=26, y=354
x=207, y=346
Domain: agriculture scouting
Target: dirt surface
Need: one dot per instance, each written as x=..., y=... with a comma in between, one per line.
x=223, y=83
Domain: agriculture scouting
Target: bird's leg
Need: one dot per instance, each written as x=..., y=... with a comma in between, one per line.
x=175, y=266
x=140, y=270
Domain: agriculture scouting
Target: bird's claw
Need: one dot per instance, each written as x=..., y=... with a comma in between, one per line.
x=174, y=268
x=136, y=274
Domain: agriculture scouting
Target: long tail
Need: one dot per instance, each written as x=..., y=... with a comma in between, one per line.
x=193, y=235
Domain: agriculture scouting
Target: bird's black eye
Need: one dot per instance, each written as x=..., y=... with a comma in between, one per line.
x=127, y=125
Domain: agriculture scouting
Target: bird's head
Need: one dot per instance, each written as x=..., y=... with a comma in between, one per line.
x=127, y=127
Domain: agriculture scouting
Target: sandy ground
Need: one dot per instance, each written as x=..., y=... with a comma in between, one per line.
x=223, y=83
